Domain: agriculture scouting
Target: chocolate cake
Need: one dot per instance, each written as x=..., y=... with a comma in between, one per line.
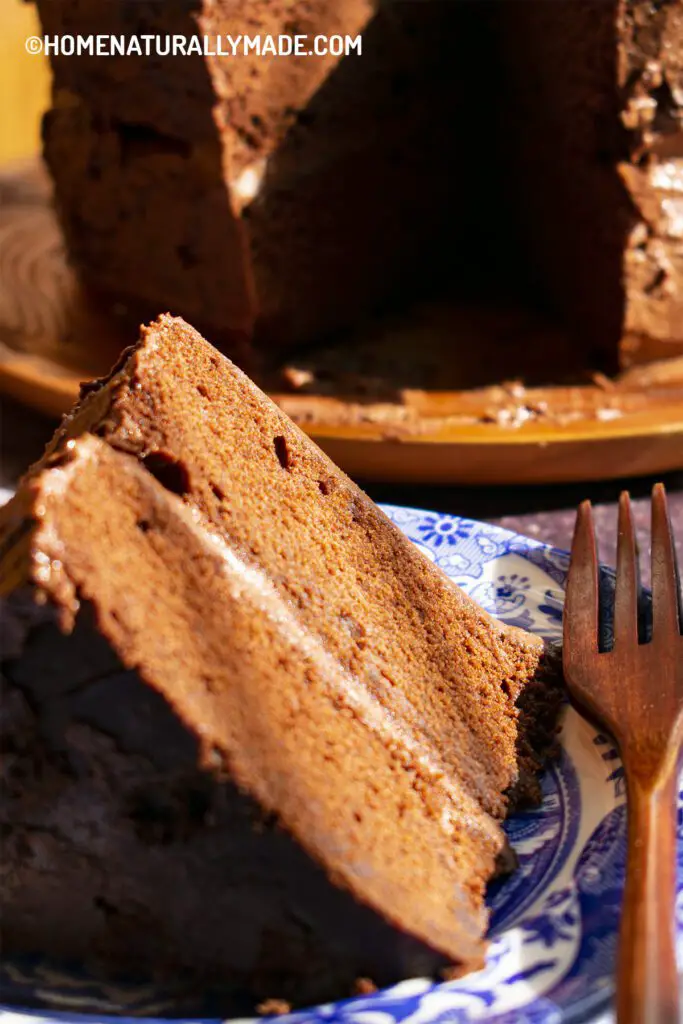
x=282, y=195
x=593, y=142
x=470, y=149
x=250, y=733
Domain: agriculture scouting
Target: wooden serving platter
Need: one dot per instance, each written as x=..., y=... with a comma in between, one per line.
x=381, y=422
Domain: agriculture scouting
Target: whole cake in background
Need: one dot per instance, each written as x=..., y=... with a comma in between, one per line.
x=594, y=128
x=251, y=733
x=284, y=196
x=473, y=151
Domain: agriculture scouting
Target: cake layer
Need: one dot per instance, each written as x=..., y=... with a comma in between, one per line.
x=210, y=435
x=289, y=195
x=238, y=805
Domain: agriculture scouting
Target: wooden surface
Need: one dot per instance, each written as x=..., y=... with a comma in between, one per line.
x=54, y=335
x=24, y=82
x=635, y=691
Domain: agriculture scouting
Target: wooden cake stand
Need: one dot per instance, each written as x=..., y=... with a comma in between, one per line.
x=52, y=337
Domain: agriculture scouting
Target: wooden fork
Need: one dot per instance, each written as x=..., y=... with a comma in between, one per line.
x=636, y=691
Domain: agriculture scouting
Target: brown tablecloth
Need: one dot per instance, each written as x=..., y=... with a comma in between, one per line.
x=543, y=512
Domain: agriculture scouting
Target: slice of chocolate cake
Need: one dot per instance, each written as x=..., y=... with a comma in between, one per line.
x=250, y=732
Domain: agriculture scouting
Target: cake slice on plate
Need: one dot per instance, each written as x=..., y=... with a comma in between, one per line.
x=253, y=734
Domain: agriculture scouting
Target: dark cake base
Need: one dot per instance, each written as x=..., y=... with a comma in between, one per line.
x=143, y=867
x=135, y=859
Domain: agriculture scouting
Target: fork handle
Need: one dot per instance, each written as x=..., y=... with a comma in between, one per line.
x=647, y=977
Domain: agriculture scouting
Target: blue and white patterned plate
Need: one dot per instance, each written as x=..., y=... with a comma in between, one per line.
x=554, y=922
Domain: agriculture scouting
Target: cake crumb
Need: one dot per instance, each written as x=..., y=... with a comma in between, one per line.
x=364, y=987
x=273, y=1007
x=602, y=381
x=296, y=378
x=456, y=971
x=514, y=388
x=452, y=973
x=393, y=434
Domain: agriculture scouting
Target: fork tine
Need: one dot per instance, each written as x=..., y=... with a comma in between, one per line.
x=665, y=592
x=628, y=578
x=581, y=603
